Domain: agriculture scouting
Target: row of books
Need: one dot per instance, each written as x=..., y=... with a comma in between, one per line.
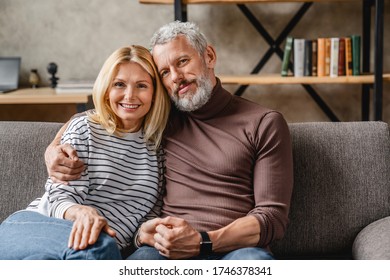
x=322, y=57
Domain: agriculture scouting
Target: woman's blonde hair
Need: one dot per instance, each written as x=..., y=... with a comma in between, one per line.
x=155, y=120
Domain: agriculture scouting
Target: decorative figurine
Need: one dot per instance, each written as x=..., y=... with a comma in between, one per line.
x=34, y=78
x=52, y=69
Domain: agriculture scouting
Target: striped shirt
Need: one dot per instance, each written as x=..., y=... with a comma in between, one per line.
x=122, y=180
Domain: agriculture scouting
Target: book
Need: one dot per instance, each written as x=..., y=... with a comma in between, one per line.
x=74, y=86
x=307, y=56
x=314, y=60
x=321, y=57
x=287, y=56
x=327, y=56
x=334, y=57
x=299, y=49
x=355, y=39
x=348, y=56
x=341, y=63
x=73, y=90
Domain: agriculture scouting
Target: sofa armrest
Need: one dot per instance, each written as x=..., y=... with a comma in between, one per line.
x=373, y=242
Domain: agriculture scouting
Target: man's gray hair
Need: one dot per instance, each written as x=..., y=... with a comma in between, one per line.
x=174, y=29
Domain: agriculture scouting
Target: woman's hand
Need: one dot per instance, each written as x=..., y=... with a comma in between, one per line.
x=147, y=231
x=87, y=226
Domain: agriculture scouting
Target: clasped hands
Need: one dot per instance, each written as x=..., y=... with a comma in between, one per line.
x=173, y=237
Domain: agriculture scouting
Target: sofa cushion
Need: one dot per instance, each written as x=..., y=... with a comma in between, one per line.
x=373, y=242
x=22, y=167
x=341, y=184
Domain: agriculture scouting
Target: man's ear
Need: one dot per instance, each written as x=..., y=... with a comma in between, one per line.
x=210, y=57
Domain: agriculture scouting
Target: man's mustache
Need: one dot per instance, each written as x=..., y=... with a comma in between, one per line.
x=184, y=82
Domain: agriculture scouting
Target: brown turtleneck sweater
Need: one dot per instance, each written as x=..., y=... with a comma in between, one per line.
x=229, y=159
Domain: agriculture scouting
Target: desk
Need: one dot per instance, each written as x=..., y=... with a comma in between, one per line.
x=45, y=96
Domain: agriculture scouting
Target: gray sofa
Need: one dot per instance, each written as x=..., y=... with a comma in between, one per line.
x=341, y=199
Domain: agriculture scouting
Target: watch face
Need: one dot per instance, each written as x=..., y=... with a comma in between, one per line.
x=206, y=248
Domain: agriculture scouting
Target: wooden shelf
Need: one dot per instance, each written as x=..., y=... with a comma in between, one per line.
x=273, y=79
x=43, y=96
x=236, y=1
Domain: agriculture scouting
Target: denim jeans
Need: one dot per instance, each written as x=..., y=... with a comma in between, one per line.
x=250, y=253
x=28, y=235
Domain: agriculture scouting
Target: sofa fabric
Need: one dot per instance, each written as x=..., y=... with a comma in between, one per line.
x=341, y=184
x=22, y=166
x=373, y=242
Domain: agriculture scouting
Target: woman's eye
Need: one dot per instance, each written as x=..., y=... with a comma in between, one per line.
x=119, y=84
x=142, y=86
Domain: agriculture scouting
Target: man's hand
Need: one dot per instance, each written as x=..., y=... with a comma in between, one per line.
x=176, y=239
x=62, y=163
x=87, y=226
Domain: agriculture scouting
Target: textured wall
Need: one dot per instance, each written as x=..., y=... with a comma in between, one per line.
x=79, y=35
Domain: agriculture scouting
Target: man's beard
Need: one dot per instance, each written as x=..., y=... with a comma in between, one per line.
x=198, y=99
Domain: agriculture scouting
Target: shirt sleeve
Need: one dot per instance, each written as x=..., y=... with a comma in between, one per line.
x=273, y=177
x=62, y=197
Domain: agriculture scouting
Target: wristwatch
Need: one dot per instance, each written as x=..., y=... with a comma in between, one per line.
x=206, y=246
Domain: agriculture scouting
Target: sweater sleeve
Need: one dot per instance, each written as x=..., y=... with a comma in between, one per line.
x=273, y=177
x=62, y=197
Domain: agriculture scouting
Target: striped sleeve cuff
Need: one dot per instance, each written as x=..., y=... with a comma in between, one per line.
x=61, y=208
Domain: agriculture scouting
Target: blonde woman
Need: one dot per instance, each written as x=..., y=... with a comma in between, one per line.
x=96, y=216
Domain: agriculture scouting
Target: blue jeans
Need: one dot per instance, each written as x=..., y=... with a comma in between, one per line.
x=250, y=253
x=27, y=235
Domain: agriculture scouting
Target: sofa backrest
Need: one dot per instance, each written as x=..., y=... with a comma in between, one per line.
x=341, y=184
x=22, y=166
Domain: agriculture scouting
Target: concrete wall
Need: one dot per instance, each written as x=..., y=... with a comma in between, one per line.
x=79, y=35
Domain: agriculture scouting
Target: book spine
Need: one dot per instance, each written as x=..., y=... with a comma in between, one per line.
x=355, y=55
x=314, y=60
x=327, y=56
x=287, y=56
x=341, y=63
x=348, y=56
x=334, y=57
x=321, y=57
x=307, y=58
x=299, y=46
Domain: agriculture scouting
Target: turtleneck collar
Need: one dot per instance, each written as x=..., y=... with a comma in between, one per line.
x=218, y=101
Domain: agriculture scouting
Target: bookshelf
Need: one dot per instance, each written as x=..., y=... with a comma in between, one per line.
x=369, y=79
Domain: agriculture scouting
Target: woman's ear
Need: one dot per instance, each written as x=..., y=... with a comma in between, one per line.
x=210, y=57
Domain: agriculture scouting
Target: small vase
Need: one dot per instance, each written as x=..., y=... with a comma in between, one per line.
x=34, y=78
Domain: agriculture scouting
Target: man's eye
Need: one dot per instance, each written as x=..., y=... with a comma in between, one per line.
x=183, y=61
x=163, y=74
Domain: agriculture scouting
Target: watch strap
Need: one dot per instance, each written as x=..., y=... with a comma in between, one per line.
x=206, y=246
